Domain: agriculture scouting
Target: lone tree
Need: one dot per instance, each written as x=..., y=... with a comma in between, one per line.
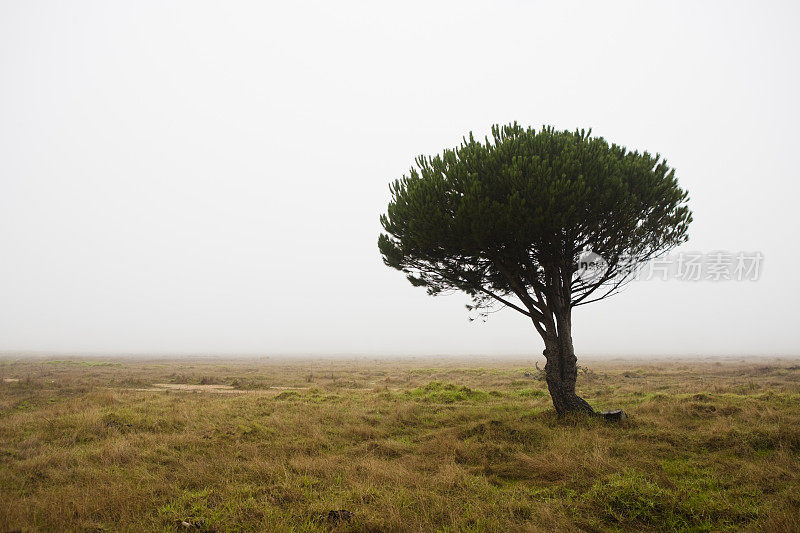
x=537, y=221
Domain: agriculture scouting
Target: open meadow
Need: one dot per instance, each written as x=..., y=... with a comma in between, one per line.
x=445, y=444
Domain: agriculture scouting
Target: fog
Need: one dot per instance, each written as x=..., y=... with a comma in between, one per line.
x=198, y=177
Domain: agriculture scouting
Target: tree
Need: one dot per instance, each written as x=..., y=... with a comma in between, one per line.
x=509, y=220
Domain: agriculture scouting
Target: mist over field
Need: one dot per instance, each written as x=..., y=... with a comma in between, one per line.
x=200, y=177
x=222, y=225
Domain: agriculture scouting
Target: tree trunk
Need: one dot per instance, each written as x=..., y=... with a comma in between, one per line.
x=561, y=372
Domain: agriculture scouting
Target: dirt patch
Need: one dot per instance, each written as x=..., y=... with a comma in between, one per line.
x=185, y=386
x=214, y=389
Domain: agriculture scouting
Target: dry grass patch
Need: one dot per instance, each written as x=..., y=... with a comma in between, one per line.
x=403, y=445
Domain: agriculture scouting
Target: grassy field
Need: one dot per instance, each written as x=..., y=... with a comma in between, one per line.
x=404, y=445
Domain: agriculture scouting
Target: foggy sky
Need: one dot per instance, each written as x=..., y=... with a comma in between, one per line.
x=206, y=177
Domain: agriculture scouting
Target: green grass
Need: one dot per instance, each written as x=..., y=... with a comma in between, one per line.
x=437, y=392
x=405, y=446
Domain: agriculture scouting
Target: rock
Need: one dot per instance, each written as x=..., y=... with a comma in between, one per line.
x=200, y=525
x=614, y=415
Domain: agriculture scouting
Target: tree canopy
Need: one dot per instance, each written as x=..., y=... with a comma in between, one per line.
x=492, y=218
x=506, y=220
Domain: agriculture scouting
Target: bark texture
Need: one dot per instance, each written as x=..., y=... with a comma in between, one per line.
x=561, y=370
x=554, y=324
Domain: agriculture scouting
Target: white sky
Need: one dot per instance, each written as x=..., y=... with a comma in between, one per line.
x=207, y=177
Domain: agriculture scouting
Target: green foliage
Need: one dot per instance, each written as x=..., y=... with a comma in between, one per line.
x=513, y=214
